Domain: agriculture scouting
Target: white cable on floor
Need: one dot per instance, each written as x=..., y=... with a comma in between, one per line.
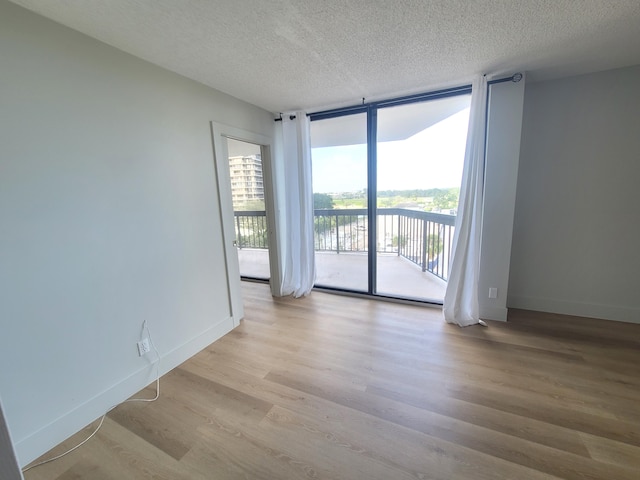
x=157, y=395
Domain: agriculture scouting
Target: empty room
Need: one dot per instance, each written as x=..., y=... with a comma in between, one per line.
x=284, y=239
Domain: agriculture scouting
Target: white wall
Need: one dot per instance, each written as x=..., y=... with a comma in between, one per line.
x=501, y=174
x=576, y=234
x=108, y=216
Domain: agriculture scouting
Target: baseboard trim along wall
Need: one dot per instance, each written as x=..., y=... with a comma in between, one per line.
x=8, y=462
x=41, y=441
x=591, y=310
x=493, y=313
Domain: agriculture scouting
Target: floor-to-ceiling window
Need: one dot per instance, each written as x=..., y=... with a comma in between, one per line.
x=386, y=180
x=339, y=161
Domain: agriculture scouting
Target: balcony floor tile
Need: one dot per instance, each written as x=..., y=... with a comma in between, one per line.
x=396, y=275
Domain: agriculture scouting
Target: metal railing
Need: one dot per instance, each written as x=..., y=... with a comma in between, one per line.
x=424, y=238
x=251, y=229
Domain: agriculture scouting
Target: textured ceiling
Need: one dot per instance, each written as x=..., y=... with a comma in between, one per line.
x=311, y=54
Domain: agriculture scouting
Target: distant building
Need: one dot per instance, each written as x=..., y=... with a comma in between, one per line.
x=246, y=178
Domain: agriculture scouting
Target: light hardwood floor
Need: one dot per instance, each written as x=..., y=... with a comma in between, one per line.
x=331, y=387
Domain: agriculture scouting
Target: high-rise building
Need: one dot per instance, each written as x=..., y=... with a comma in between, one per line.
x=246, y=178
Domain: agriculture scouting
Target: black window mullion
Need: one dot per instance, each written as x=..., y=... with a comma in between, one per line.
x=372, y=185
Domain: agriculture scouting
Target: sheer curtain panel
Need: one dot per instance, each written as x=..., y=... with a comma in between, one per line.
x=461, y=297
x=299, y=272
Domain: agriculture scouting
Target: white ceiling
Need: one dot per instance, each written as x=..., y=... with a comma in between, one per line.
x=286, y=55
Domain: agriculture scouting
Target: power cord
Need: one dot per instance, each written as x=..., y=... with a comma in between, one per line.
x=145, y=327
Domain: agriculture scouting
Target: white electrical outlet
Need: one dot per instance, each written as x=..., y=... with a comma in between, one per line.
x=143, y=347
x=493, y=292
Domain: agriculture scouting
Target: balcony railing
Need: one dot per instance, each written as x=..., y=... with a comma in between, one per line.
x=251, y=229
x=424, y=238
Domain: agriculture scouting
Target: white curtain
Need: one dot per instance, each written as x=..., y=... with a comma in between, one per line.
x=461, y=297
x=299, y=270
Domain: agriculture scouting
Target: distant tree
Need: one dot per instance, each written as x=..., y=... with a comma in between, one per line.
x=446, y=199
x=322, y=201
x=399, y=241
x=435, y=245
x=250, y=205
x=385, y=203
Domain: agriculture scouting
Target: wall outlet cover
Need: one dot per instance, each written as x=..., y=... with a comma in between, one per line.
x=144, y=347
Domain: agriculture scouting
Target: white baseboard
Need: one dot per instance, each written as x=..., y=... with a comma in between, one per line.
x=9, y=469
x=50, y=435
x=591, y=310
x=493, y=313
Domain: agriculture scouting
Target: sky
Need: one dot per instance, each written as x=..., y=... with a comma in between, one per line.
x=431, y=158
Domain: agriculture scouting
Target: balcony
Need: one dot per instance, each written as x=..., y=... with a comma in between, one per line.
x=413, y=249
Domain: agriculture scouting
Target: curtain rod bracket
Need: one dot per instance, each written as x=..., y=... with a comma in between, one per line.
x=279, y=119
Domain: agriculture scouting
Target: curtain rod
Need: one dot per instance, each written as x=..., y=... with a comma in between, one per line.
x=516, y=77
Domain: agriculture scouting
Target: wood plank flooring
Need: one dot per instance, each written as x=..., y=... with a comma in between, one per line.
x=331, y=387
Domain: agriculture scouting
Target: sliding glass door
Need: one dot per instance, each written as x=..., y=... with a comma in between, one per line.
x=339, y=160
x=420, y=154
x=386, y=179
